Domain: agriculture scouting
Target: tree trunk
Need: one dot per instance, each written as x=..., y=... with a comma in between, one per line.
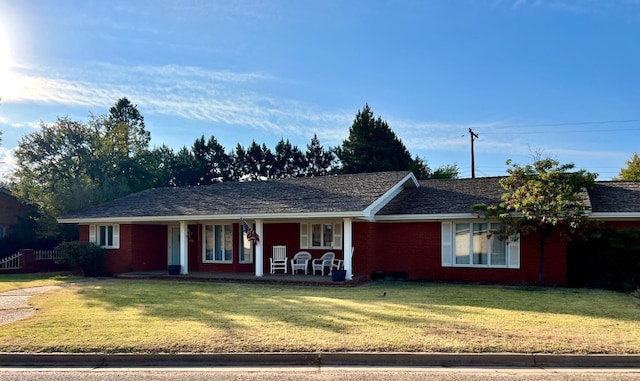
x=543, y=241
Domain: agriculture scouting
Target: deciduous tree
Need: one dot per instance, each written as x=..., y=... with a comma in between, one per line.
x=632, y=171
x=539, y=198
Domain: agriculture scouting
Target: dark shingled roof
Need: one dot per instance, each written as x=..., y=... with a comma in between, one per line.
x=615, y=197
x=344, y=193
x=446, y=196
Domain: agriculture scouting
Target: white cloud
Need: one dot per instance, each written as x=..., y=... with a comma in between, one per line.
x=224, y=97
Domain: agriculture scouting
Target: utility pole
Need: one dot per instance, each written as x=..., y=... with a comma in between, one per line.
x=474, y=136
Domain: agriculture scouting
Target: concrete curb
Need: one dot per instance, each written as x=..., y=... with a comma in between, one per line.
x=502, y=360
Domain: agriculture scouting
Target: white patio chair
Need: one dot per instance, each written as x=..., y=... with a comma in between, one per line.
x=300, y=261
x=338, y=264
x=278, y=259
x=325, y=261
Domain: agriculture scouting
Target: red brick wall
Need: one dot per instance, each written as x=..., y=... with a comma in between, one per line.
x=142, y=248
x=414, y=247
x=148, y=246
x=120, y=260
x=411, y=247
x=621, y=224
x=10, y=209
x=288, y=234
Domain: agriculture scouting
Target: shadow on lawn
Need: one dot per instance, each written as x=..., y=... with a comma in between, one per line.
x=238, y=306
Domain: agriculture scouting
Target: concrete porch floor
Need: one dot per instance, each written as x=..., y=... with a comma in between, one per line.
x=292, y=279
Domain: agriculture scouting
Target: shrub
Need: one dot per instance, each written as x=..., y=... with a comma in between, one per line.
x=83, y=257
x=609, y=259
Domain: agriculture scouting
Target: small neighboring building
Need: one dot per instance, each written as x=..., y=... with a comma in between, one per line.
x=11, y=210
x=385, y=221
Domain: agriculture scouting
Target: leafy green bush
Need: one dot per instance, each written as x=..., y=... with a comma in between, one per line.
x=609, y=259
x=84, y=258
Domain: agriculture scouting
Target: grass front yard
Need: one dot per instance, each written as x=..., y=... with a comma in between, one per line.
x=10, y=282
x=163, y=316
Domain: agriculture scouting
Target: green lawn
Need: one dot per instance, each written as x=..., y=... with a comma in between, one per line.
x=164, y=316
x=10, y=282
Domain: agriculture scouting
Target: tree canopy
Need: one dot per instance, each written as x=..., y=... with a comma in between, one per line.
x=71, y=165
x=373, y=147
x=538, y=198
x=632, y=171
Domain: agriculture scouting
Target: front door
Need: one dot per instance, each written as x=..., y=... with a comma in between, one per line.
x=174, y=245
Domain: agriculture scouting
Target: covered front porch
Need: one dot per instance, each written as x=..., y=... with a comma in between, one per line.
x=291, y=279
x=219, y=246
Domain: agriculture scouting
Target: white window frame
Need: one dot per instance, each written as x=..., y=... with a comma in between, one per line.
x=512, y=247
x=111, y=239
x=306, y=235
x=246, y=244
x=224, y=228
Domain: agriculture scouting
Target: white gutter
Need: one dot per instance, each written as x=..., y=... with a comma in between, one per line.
x=428, y=217
x=614, y=216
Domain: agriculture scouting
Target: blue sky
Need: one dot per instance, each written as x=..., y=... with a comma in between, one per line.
x=558, y=77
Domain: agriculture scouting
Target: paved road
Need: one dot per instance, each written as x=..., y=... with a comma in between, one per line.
x=314, y=373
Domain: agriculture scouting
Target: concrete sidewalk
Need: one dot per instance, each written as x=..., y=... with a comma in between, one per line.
x=501, y=360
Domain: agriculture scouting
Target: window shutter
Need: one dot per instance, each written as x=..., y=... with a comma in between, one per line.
x=514, y=252
x=92, y=234
x=447, y=245
x=304, y=236
x=116, y=236
x=337, y=236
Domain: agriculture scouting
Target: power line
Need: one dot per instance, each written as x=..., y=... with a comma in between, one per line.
x=566, y=131
x=568, y=123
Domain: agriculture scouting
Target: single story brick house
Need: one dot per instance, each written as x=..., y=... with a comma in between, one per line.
x=11, y=210
x=385, y=221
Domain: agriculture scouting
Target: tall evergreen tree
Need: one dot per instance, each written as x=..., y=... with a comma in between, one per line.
x=210, y=163
x=373, y=147
x=320, y=162
x=289, y=161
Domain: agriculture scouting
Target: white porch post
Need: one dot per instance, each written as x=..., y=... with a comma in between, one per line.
x=184, y=248
x=346, y=249
x=259, y=250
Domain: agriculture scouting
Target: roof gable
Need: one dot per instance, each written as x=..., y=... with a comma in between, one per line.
x=450, y=196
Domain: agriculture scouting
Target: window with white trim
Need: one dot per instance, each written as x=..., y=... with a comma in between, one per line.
x=107, y=236
x=321, y=235
x=477, y=244
x=217, y=245
x=246, y=247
